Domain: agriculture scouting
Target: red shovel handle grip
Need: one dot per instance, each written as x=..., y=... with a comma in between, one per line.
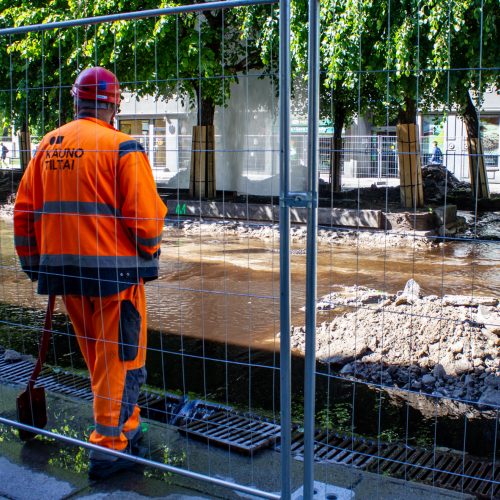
x=44, y=342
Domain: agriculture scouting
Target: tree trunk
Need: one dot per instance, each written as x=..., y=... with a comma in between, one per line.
x=408, y=114
x=202, y=177
x=336, y=150
x=206, y=112
x=477, y=169
x=410, y=168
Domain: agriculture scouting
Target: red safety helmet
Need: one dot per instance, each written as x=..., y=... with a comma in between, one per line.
x=97, y=84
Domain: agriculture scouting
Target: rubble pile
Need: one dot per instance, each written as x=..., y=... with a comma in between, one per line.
x=439, y=183
x=443, y=346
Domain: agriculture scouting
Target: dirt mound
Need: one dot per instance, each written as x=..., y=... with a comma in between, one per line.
x=439, y=183
x=446, y=346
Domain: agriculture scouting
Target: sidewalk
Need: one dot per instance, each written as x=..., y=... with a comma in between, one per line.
x=52, y=470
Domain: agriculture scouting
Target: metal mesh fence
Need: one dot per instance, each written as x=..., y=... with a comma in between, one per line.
x=406, y=370
x=212, y=313
x=371, y=156
x=407, y=364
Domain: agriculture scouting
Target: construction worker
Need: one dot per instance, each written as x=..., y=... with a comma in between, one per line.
x=88, y=225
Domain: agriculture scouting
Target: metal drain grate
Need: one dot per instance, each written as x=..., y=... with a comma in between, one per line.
x=155, y=406
x=66, y=383
x=448, y=470
x=227, y=429
x=18, y=372
x=329, y=447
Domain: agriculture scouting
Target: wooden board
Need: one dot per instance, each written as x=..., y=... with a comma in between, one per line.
x=202, y=176
x=410, y=170
x=24, y=149
x=477, y=169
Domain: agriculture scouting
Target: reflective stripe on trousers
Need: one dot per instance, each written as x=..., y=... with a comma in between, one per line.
x=112, y=335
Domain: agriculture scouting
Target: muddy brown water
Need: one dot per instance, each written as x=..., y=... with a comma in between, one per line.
x=226, y=289
x=229, y=287
x=217, y=303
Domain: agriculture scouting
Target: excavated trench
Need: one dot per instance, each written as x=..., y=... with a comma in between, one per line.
x=233, y=361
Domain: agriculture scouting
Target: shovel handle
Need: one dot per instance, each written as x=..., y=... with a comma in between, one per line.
x=44, y=342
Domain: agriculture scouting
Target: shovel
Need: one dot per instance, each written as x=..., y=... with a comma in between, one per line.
x=31, y=405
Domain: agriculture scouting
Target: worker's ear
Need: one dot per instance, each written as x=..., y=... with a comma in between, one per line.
x=116, y=110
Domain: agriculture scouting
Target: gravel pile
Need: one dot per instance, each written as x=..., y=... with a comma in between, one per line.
x=444, y=346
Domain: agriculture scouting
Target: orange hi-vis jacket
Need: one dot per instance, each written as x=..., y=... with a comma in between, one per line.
x=88, y=219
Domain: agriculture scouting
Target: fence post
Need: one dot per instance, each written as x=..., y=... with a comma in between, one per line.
x=311, y=253
x=380, y=145
x=284, y=226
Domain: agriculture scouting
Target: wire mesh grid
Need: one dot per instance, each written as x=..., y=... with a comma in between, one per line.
x=207, y=347
x=407, y=378
x=407, y=364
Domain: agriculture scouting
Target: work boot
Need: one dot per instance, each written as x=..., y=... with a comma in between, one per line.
x=106, y=467
x=136, y=445
x=102, y=469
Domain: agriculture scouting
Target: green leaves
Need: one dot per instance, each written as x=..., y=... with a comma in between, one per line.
x=369, y=49
x=165, y=56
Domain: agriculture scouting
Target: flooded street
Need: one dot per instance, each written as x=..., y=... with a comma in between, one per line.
x=226, y=288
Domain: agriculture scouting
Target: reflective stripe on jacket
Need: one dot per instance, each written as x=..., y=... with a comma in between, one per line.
x=88, y=219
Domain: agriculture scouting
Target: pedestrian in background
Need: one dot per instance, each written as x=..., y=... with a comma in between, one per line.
x=4, y=152
x=437, y=154
x=88, y=226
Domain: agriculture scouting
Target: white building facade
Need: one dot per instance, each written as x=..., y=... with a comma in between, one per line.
x=247, y=148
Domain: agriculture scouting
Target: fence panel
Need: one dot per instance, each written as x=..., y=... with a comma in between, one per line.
x=373, y=157
x=405, y=374
x=212, y=399
x=408, y=302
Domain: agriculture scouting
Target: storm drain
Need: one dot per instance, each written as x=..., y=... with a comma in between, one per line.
x=448, y=470
x=154, y=406
x=230, y=430
x=329, y=447
x=214, y=423
x=217, y=424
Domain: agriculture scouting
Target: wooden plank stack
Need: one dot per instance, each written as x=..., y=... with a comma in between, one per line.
x=24, y=148
x=477, y=170
x=202, y=180
x=410, y=170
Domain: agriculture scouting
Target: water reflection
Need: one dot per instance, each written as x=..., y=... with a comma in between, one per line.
x=226, y=288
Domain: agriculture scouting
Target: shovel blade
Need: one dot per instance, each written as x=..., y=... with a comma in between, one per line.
x=31, y=410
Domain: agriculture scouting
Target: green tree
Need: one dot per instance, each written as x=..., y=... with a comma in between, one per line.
x=400, y=58
x=191, y=56
x=433, y=52
x=347, y=91
x=465, y=51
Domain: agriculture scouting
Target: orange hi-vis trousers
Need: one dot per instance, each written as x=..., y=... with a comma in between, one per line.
x=112, y=336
